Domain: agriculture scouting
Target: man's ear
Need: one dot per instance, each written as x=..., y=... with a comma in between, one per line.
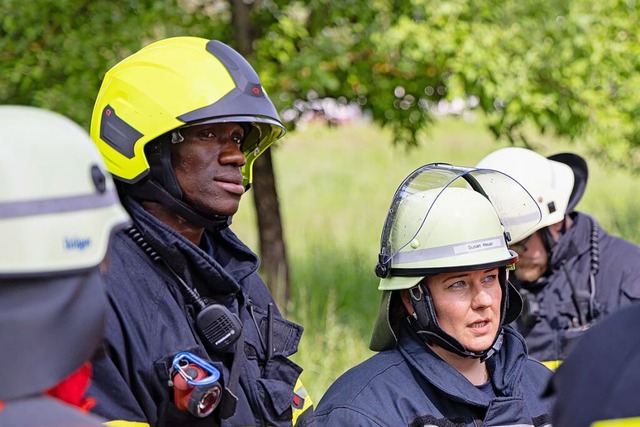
x=555, y=229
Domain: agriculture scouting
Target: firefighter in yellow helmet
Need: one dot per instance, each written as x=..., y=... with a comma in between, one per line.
x=193, y=335
x=446, y=353
x=58, y=211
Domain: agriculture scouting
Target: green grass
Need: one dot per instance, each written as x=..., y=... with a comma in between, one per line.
x=335, y=186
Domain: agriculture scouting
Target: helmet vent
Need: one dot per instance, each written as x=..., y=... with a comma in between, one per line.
x=99, y=180
x=117, y=133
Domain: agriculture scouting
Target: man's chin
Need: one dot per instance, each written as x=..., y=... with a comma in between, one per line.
x=229, y=208
x=528, y=274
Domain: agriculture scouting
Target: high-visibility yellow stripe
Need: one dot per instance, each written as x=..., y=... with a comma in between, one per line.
x=123, y=423
x=618, y=422
x=300, y=391
x=552, y=364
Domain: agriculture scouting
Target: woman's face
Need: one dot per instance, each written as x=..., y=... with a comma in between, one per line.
x=467, y=305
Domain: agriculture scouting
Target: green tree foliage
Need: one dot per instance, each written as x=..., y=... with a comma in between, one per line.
x=567, y=67
x=54, y=53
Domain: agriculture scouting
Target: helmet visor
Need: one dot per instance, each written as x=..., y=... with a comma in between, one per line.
x=517, y=210
x=262, y=132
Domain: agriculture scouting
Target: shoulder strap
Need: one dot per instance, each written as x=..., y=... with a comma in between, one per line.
x=230, y=394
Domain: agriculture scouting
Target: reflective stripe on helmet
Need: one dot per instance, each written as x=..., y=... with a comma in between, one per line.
x=58, y=205
x=22, y=208
x=445, y=251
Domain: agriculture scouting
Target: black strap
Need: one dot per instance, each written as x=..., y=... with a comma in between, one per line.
x=587, y=297
x=595, y=266
x=578, y=296
x=151, y=190
x=229, y=394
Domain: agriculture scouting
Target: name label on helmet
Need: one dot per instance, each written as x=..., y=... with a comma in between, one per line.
x=77, y=243
x=477, y=246
x=449, y=250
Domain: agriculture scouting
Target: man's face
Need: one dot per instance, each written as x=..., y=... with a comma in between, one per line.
x=207, y=165
x=532, y=258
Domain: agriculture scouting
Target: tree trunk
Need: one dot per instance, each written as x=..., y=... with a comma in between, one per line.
x=274, y=266
x=241, y=11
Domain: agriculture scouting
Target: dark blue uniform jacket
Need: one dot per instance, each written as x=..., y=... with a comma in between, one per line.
x=562, y=295
x=150, y=321
x=599, y=380
x=411, y=386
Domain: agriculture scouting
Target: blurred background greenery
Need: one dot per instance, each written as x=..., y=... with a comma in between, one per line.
x=335, y=185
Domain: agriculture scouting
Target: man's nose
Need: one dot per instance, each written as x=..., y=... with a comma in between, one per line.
x=231, y=153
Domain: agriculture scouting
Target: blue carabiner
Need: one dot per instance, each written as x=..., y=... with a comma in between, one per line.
x=214, y=374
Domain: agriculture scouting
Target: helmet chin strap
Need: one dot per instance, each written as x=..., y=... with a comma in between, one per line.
x=425, y=322
x=453, y=345
x=162, y=186
x=152, y=191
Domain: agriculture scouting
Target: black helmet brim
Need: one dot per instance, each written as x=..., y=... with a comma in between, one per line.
x=581, y=173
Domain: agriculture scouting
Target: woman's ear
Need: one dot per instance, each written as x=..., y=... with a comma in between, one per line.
x=406, y=301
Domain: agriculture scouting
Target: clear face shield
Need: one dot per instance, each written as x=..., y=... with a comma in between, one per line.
x=516, y=209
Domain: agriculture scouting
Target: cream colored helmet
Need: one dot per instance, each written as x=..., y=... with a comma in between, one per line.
x=557, y=183
x=58, y=204
x=446, y=218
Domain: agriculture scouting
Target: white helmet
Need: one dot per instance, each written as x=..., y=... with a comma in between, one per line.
x=58, y=205
x=445, y=218
x=557, y=183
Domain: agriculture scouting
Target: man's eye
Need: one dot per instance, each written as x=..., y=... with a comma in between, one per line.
x=207, y=134
x=237, y=139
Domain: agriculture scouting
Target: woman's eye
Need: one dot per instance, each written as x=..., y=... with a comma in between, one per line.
x=457, y=285
x=490, y=278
